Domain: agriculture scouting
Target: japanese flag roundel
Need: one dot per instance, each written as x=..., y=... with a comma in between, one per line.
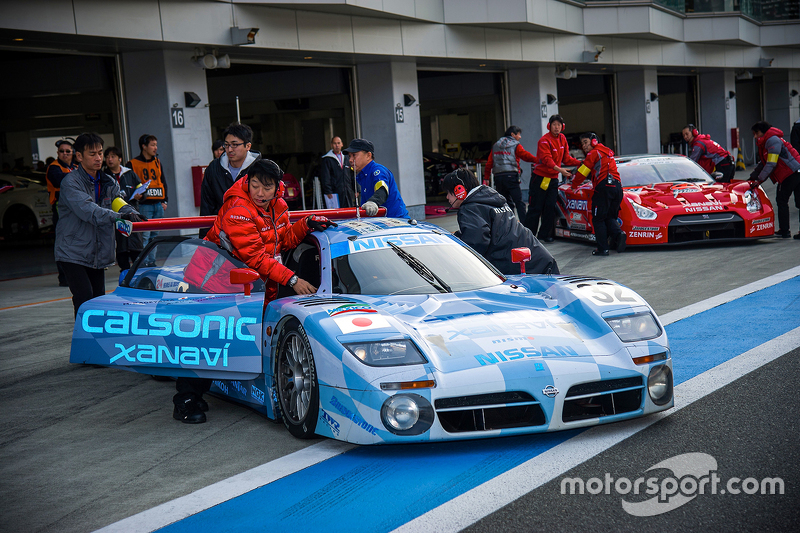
x=353, y=322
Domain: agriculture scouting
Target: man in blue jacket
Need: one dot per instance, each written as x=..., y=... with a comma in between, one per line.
x=376, y=182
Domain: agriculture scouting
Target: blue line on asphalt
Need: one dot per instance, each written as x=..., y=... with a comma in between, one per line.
x=374, y=489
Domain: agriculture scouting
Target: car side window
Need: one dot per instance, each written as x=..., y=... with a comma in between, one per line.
x=304, y=261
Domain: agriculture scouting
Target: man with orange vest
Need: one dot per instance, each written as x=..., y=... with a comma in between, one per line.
x=601, y=168
x=780, y=162
x=147, y=166
x=55, y=173
x=709, y=154
x=552, y=152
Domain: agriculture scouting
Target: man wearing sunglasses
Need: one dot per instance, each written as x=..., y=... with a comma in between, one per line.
x=55, y=173
x=225, y=170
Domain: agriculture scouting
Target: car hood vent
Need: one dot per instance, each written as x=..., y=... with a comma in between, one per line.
x=315, y=300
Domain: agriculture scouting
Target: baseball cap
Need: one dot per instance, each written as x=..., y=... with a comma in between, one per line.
x=62, y=141
x=360, y=145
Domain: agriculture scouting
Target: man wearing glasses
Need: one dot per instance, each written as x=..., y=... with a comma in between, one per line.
x=55, y=173
x=225, y=170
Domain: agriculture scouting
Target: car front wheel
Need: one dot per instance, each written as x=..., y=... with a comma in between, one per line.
x=296, y=377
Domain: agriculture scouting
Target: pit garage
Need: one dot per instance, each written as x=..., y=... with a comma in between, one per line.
x=587, y=104
x=677, y=99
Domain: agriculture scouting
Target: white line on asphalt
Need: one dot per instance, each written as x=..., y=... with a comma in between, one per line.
x=725, y=297
x=227, y=489
x=498, y=492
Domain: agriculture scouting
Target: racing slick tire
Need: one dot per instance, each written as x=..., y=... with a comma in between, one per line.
x=296, y=381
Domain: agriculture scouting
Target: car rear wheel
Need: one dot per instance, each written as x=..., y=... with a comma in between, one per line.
x=20, y=223
x=296, y=376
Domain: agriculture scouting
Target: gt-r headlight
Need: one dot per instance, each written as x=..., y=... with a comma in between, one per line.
x=407, y=414
x=752, y=201
x=642, y=212
x=387, y=353
x=659, y=384
x=638, y=327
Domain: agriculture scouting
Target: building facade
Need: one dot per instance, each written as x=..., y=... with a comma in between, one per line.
x=416, y=77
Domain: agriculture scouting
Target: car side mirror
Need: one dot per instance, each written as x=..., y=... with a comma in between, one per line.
x=521, y=256
x=244, y=276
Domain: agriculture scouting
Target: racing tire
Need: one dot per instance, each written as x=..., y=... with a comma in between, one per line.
x=146, y=284
x=296, y=381
x=20, y=223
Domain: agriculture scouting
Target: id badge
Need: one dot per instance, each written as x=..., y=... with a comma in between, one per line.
x=545, y=184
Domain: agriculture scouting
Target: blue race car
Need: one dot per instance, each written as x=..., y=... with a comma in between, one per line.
x=411, y=337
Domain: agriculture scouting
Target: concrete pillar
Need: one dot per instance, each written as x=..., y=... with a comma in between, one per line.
x=638, y=115
x=781, y=109
x=154, y=82
x=528, y=108
x=717, y=108
x=398, y=145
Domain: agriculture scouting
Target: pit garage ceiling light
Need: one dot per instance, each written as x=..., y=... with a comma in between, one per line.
x=765, y=62
x=243, y=36
x=744, y=75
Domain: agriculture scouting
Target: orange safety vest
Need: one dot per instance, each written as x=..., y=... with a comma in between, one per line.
x=150, y=170
x=52, y=189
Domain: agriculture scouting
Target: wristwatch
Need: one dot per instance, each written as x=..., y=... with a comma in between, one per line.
x=292, y=281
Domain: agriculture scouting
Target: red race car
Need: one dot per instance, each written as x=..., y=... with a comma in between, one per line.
x=670, y=199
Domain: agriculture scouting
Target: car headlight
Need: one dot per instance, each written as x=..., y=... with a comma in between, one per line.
x=638, y=327
x=387, y=353
x=642, y=212
x=659, y=384
x=407, y=414
x=752, y=201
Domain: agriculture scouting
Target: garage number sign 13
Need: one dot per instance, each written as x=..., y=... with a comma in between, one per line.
x=176, y=114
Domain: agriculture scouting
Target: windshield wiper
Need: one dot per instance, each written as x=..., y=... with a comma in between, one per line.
x=420, y=268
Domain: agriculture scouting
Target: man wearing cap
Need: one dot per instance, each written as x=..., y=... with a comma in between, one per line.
x=375, y=181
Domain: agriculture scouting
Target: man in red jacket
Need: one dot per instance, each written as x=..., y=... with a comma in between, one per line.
x=553, y=153
x=601, y=168
x=708, y=154
x=504, y=163
x=780, y=162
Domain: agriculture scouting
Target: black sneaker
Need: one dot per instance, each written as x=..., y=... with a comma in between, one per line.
x=621, y=242
x=603, y=253
x=797, y=236
x=783, y=234
x=189, y=412
x=202, y=405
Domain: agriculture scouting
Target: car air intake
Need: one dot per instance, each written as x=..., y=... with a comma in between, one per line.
x=485, y=412
x=603, y=398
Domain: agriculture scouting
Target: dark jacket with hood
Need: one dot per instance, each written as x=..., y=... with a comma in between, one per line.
x=216, y=182
x=489, y=226
x=337, y=179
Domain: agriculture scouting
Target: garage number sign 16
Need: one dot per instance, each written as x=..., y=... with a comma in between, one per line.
x=176, y=114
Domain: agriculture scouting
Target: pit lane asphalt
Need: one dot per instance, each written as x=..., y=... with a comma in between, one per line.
x=82, y=447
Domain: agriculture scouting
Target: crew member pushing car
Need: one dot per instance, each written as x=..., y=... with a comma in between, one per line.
x=601, y=168
x=253, y=225
x=709, y=154
x=553, y=154
x=503, y=162
x=780, y=162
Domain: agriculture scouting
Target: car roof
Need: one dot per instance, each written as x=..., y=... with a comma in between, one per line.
x=622, y=159
x=377, y=227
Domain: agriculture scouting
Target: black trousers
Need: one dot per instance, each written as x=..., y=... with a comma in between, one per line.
x=193, y=388
x=605, y=210
x=785, y=189
x=62, y=279
x=728, y=168
x=507, y=184
x=542, y=205
x=125, y=258
x=84, y=283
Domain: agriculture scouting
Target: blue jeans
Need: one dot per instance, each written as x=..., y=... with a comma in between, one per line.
x=151, y=211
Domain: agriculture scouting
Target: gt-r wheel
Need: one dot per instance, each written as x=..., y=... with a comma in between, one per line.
x=296, y=377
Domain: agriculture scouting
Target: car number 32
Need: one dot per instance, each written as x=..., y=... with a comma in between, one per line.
x=608, y=294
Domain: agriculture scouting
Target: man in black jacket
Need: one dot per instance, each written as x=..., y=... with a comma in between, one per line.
x=229, y=167
x=336, y=176
x=488, y=225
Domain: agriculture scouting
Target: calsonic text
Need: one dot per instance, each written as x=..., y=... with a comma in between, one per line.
x=164, y=324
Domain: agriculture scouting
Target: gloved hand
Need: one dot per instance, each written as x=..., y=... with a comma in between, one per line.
x=319, y=223
x=753, y=184
x=133, y=216
x=371, y=208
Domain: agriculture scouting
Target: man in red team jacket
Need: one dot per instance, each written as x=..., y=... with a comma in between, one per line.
x=601, y=168
x=504, y=163
x=552, y=152
x=709, y=154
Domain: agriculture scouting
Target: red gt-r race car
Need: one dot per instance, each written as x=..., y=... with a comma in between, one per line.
x=670, y=199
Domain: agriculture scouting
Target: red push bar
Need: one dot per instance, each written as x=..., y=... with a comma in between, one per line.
x=162, y=224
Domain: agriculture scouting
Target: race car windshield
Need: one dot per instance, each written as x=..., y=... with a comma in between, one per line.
x=643, y=172
x=419, y=270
